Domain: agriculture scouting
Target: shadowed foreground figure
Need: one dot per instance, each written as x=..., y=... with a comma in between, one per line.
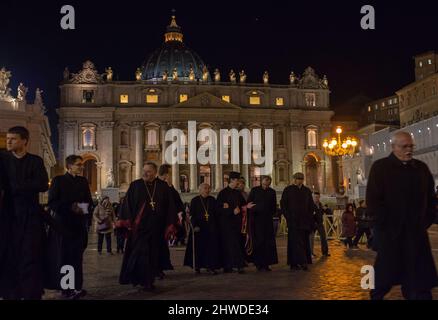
x=148, y=207
x=22, y=263
x=400, y=196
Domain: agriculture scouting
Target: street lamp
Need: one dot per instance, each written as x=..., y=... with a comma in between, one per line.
x=339, y=147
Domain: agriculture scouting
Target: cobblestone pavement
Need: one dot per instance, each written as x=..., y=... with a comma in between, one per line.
x=334, y=278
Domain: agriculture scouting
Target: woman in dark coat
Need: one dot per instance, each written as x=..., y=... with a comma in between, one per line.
x=348, y=225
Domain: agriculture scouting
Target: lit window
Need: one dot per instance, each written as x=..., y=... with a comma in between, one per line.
x=369, y=108
x=311, y=138
x=421, y=64
x=226, y=98
x=123, y=98
x=254, y=100
x=88, y=137
x=383, y=104
x=310, y=100
x=376, y=107
x=429, y=61
x=279, y=101
x=152, y=137
x=183, y=97
x=395, y=100
x=151, y=98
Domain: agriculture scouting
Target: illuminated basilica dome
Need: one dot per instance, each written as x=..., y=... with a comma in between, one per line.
x=173, y=59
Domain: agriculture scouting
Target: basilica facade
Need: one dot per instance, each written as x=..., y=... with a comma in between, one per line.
x=118, y=125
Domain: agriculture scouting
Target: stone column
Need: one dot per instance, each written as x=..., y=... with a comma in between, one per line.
x=99, y=177
x=139, y=149
x=296, y=147
x=163, y=128
x=175, y=176
x=70, y=128
x=245, y=173
x=107, y=149
x=193, y=178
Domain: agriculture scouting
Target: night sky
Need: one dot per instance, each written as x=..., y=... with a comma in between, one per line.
x=254, y=36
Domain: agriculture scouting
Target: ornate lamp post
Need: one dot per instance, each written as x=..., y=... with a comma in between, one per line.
x=339, y=147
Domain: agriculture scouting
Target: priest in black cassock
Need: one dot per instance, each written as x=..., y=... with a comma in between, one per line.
x=262, y=215
x=297, y=207
x=70, y=201
x=148, y=207
x=230, y=202
x=400, y=197
x=203, y=218
x=165, y=262
x=26, y=178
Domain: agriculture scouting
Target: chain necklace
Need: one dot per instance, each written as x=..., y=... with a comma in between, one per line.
x=206, y=215
x=151, y=197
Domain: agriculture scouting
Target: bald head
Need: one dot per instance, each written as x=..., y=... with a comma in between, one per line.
x=204, y=190
x=403, y=146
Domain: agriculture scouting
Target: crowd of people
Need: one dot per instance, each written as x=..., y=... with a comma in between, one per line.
x=224, y=233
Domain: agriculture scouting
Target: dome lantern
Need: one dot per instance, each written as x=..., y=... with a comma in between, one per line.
x=173, y=32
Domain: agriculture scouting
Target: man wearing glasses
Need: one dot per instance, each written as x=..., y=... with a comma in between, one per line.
x=400, y=196
x=69, y=199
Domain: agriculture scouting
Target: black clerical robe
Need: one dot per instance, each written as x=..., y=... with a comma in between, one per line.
x=165, y=262
x=68, y=238
x=400, y=197
x=262, y=226
x=23, y=263
x=297, y=206
x=3, y=225
x=147, y=213
x=203, y=213
x=230, y=228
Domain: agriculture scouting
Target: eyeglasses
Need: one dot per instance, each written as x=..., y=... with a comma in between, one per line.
x=406, y=146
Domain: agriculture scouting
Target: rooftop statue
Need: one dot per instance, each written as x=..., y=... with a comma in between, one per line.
x=242, y=76
x=22, y=91
x=217, y=75
x=109, y=74
x=266, y=77
x=191, y=74
x=205, y=74
x=138, y=74
x=232, y=76
x=174, y=75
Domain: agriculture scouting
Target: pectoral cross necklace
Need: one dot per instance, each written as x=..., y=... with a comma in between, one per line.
x=151, y=197
x=206, y=215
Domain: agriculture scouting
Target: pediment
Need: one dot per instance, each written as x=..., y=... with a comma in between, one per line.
x=206, y=100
